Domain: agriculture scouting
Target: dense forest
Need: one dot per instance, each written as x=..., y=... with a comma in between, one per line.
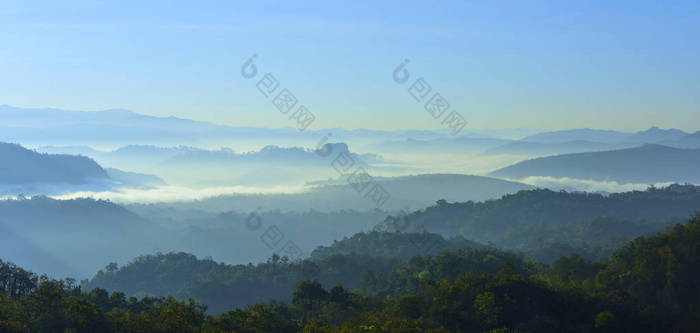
x=650, y=285
x=223, y=286
x=548, y=224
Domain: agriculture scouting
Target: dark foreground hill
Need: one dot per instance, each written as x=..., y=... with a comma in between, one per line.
x=393, y=245
x=651, y=285
x=224, y=286
x=648, y=164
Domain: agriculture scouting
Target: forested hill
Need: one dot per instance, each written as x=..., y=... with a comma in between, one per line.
x=651, y=285
x=649, y=164
x=529, y=220
x=19, y=165
x=223, y=287
x=393, y=245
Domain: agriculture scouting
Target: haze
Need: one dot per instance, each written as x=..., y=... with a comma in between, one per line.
x=336, y=167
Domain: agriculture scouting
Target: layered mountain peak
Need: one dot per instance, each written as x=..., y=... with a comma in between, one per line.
x=19, y=165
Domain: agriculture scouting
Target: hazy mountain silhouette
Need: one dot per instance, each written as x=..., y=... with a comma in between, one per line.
x=149, y=155
x=32, y=173
x=111, y=126
x=580, y=134
x=84, y=232
x=543, y=149
x=651, y=135
x=647, y=164
x=688, y=141
x=122, y=127
x=585, y=140
x=267, y=155
x=127, y=178
x=270, y=165
x=656, y=135
x=20, y=249
x=469, y=145
x=19, y=165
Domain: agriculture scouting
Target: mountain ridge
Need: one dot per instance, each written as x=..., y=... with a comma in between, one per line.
x=19, y=165
x=659, y=164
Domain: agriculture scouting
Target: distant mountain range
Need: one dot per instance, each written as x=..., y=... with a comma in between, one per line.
x=647, y=164
x=589, y=140
x=583, y=134
x=271, y=154
x=656, y=135
x=110, y=127
x=186, y=155
x=464, y=145
x=651, y=135
x=542, y=144
x=271, y=165
x=689, y=141
x=118, y=127
x=543, y=149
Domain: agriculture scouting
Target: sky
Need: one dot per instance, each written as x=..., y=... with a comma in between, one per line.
x=624, y=65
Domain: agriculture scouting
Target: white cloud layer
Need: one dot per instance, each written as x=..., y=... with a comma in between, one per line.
x=176, y=193
x=585, y=184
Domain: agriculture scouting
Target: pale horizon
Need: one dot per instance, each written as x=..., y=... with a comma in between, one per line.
x=624, y=66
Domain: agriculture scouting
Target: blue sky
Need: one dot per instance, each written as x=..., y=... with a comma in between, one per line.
x=502, y=64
